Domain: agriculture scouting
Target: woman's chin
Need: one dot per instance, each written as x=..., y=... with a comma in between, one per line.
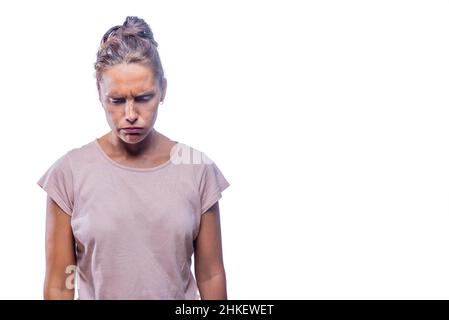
x=132, y=137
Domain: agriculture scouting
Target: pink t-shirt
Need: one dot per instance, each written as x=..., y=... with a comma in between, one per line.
x=134, y=227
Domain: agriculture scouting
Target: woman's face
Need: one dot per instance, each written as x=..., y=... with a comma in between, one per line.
x=130, y=96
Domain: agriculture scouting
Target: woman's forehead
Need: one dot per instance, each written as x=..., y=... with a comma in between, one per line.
x=131, y=89
x=123, y=79
x=128, y=73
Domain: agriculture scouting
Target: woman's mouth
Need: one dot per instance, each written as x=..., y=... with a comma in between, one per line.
x=133, y=130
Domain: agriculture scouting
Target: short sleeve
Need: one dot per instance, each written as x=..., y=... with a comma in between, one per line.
x=212, y=184
x=57, y=181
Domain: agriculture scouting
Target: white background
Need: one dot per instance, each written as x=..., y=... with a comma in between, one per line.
x=330, y=120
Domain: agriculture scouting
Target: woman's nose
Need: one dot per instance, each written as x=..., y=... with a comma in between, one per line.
x=130, y=113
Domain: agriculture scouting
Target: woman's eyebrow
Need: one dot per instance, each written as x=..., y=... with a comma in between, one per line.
x=145, y=94
x=114, y=96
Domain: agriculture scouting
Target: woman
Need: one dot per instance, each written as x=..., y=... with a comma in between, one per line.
x=128, y=210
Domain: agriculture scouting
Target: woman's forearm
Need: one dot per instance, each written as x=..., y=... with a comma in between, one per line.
x=213, y=288
x=59, y=294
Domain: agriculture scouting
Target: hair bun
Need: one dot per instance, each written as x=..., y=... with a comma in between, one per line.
x=132, y=20
x=136, y=26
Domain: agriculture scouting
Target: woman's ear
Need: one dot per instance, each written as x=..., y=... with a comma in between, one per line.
x=163, y=89
x=98, y=92
x=99, y=95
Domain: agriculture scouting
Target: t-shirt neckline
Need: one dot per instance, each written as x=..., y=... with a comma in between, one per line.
x=108, y=159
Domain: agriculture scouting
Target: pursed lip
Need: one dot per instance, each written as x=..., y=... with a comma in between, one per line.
x=132, y=129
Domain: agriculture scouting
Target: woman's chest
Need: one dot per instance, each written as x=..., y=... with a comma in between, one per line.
x=136, y=210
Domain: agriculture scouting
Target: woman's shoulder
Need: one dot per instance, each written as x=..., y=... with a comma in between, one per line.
x=81, y=153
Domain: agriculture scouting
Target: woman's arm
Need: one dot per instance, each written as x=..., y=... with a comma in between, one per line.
x=60, y=254
x=209, y=269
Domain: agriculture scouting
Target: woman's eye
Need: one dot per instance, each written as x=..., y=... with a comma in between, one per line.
x=144, y=99
x=117, y=101
x=138, y=99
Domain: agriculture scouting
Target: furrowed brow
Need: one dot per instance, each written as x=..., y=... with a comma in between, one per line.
x=144, y=94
